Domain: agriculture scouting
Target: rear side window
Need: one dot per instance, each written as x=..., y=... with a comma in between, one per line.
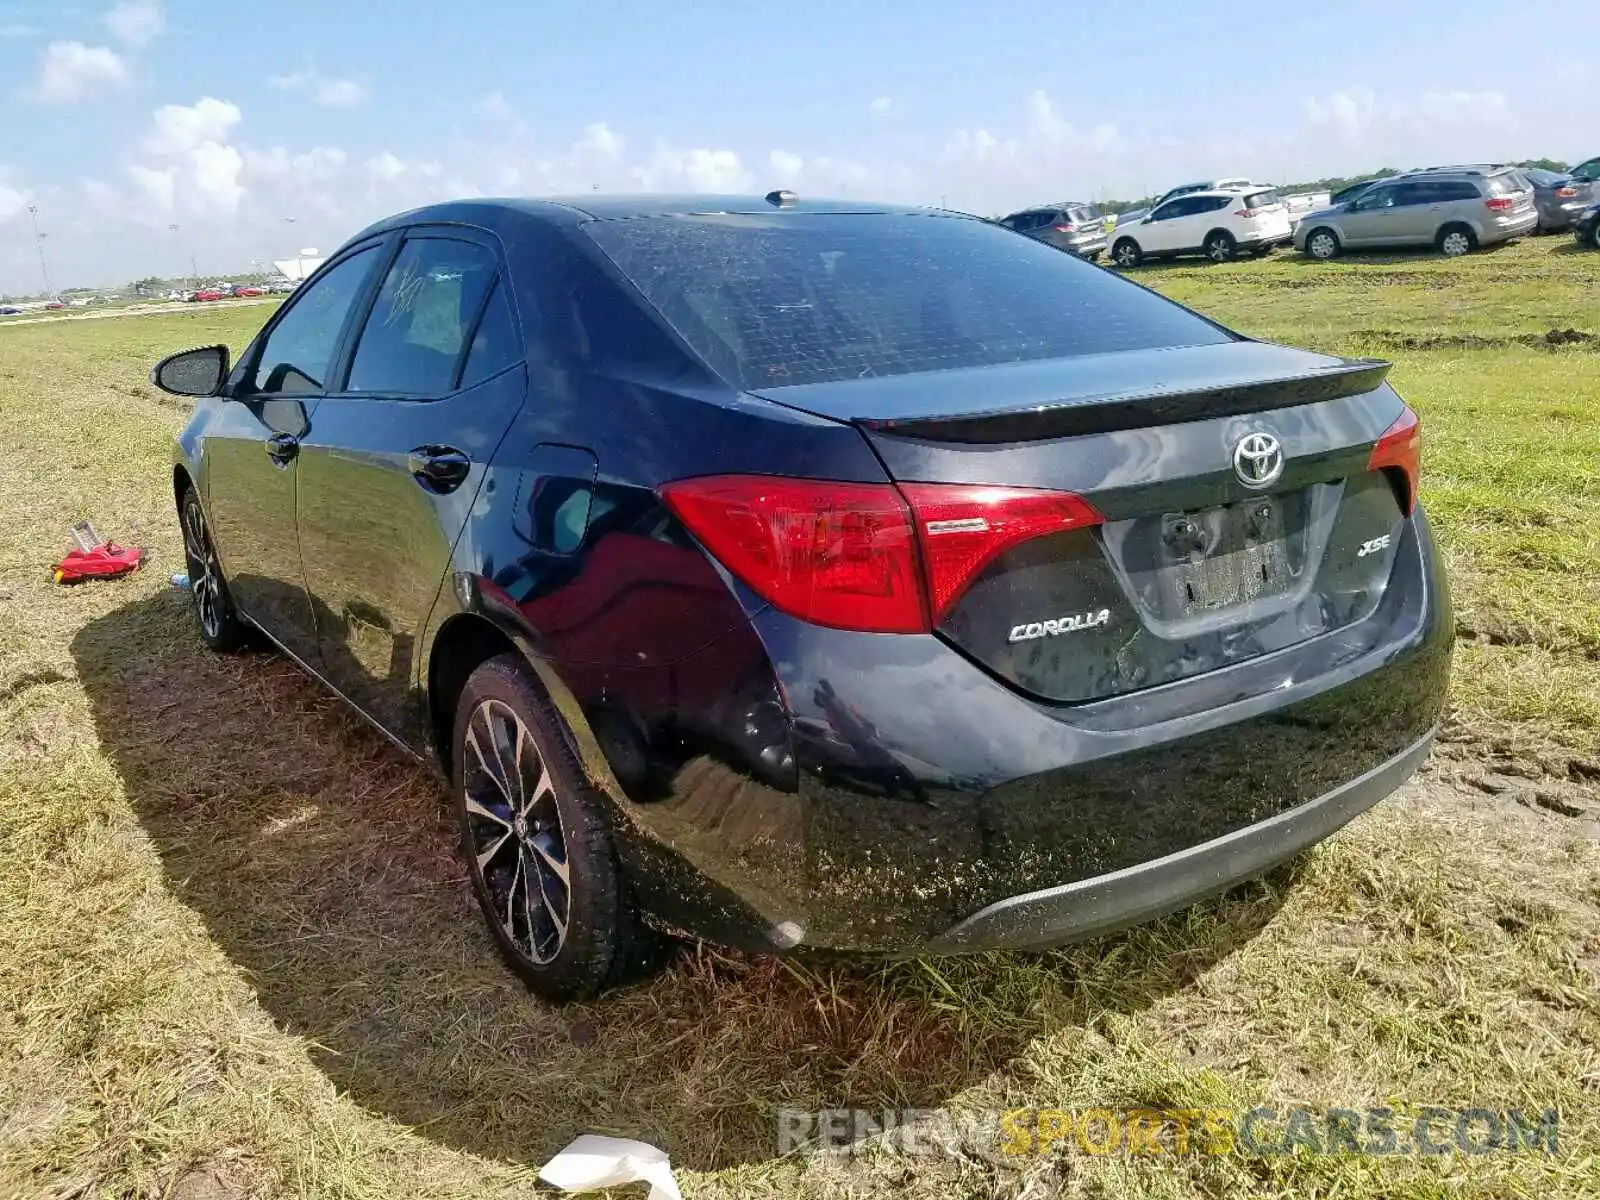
x=1454, y=189
x=776, y=301
x=496, y=344
x=1213, y=203
x=418, y=326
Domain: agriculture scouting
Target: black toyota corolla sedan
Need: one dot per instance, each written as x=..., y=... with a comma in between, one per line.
x=801, y=575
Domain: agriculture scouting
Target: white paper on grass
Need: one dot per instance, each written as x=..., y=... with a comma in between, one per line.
x=593, y=1162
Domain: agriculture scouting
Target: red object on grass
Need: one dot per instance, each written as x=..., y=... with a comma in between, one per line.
x=103, y=562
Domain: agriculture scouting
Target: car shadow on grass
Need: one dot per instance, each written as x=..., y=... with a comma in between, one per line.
x=322, y=863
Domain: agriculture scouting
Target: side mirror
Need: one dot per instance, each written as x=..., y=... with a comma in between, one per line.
x=199, y=372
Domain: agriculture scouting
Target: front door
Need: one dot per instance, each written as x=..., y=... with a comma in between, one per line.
x=393, y=462
x=252, y=452
x=1168, y=227
x=1373, y=218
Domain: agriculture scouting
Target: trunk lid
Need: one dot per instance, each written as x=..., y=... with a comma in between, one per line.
x=1212, y=549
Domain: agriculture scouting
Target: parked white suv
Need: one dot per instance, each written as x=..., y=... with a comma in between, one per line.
x=1218, y=223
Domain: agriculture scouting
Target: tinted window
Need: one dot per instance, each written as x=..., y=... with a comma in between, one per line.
x=298, y=353
x=1589, y=170
x=1543, y=178
x=414, y=336
x=496, y=345
x=1214, y=203
x=1378, y=197
x=1084, y=214
x=1413, y=193
x=1261, y=199
x=1507, y=184
x=772, y=301
x=1171, y=209
x=1455, y=189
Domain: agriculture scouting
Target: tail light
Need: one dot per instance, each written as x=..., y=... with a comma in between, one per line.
x=1247, y=213
x=1566, y=193
x=1064, y=228
x=1499, y=203
x=1400, y=449
x=864, y=556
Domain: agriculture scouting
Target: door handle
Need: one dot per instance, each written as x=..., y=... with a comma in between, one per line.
x=439, y=468
x=282, y=447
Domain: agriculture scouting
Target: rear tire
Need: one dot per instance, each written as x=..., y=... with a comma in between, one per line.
x=221, y=627
x=1455, y=240
x=537, y=846
x=1220, y=246
x=1126, y=253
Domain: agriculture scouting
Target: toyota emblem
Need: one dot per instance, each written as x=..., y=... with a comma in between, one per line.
x=1258, y=460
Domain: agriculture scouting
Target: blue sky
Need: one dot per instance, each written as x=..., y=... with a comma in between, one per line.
x=119, y=119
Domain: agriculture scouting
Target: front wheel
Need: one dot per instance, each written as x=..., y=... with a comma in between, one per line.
x=1220, y=246
x=220, y=626
x=1126, y=253
x=536, y=843
x=1455, y=240
x=1323, y=244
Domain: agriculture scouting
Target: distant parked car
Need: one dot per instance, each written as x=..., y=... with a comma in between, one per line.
x=1211, y=185
x=1559, y=198
x=55, y=304
x=1217, y=224
x=7, y=311
x=1586, y=226
x=247, y=290
x=205, y=294
x=1456, y=209
x=1071, y=226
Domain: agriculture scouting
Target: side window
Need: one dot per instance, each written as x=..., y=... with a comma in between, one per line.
x=1172, y=208
x=418, y=327
x=298, y=354
x=1378, y=197
x=1589, y=171
x=1217, y=203
x=496, y=345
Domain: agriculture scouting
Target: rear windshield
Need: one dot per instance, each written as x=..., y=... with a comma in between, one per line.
x=1543, y=178
x=1261, y=199
x=777, y=301
x=1083, y=214
x=1507, y=184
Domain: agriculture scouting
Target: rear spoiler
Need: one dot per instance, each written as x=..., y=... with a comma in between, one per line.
x=1139, y=409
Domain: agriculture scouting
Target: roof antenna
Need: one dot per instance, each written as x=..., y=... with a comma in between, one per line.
x=782, y=199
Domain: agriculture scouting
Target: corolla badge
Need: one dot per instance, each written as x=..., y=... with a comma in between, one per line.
x=1258, y=460
x=1059, y=625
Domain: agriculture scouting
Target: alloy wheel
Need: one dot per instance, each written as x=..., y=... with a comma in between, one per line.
x=1219, y=249
x=1322, y=245
x=517, y=843
x=205, y=574
x=1455, y=243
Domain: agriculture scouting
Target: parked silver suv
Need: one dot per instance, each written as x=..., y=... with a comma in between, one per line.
x=1077, y=228
x=1455, y=209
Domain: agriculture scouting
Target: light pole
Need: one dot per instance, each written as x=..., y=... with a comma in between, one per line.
x=33, y=212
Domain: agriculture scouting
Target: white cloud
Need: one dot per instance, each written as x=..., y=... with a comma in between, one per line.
x=698, y=170
x=15, y=29
x=322, y=89
x=1408, y=131
x=882, y=106
x=70, y=72
x=12, y=201
x=136, y=22
x=786, y=166
x=495, y=107
x=180, y=128
x=599, y=140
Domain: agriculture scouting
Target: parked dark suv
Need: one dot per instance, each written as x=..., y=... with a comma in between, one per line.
x=794, y=574
x=1077, y=228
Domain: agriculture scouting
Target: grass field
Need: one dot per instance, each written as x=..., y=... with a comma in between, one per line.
x=237, y=957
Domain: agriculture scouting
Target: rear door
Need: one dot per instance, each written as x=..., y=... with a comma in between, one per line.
x=394, y=460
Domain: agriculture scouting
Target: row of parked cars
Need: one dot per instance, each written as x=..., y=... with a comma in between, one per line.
x=1455, y=209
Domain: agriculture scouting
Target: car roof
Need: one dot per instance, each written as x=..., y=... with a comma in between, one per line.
x=574, y=210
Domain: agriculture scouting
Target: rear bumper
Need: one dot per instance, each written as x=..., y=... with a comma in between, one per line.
x=1107, y=903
